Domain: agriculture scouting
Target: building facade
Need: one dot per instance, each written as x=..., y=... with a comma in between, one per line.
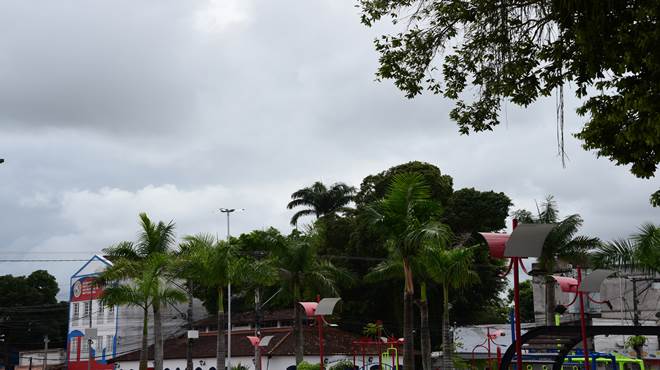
x=114, y=330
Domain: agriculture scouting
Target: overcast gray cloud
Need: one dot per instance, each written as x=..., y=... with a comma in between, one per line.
x=177, y=108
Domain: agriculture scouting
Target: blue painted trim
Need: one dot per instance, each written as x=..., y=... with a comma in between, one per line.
x=74, y=334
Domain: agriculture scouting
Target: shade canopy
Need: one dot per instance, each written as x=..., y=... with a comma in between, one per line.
x=265, y=341
x=496, y=243
x=310, y=308
x=592, y=282
x=253, y=340
x=527, y=240
x=567, y=284
x=326, y=306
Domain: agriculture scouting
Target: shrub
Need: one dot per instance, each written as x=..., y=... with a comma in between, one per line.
x=307, y=366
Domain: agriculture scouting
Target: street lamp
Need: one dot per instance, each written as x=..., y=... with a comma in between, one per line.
x=526, y=240
x=318, y=309
x=590, y=284
x=228, y=211
x=257, y=343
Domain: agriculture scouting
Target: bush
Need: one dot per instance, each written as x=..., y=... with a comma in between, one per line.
x=307, y=366
x=342, y=365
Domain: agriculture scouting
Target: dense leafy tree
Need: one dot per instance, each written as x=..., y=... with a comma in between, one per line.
x=519, y=51
x=469, y=210
x=562, y=246
x=320, y=200
x=526, y=301
x=407, y=217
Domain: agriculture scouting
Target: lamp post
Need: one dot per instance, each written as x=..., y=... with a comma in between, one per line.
x=229, y=211
x=526, y=240
x=318, y=309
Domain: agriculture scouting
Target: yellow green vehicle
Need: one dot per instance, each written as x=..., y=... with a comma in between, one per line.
x=604, y=361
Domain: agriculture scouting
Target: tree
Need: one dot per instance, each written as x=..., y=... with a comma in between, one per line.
x=520, y=51
x=561, y=246
x=320, y=201
x=526, y=301
x=407, y=217
x=154, y=238
x=214, y=265
x=142, y=284
x=640, y=252
x=302, y=273
x=469, y=210
x=453, y=269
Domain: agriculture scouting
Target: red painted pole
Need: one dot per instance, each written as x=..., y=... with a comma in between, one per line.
x=516, y=310
x=319, y=322
x=583, y=322
x=490, y=362
x=499, y=357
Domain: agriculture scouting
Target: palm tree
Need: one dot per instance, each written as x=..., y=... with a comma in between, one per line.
x=407, y=215
x=640, y=252
x=452, y=269
x=141, y=284
x=301, y=270
x=320, y=201
x=154, y=238
x=214, y=264
x=562, y=246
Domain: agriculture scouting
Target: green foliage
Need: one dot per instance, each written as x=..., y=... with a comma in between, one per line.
x=470, y=210
x=635, y=341
x=307, y=366
x=526, y=301
x=640, y=252
x=239, y=366
x=29, y=309
x=320, y=201
x=342, y=365
x=372, y=329
x=520, y=51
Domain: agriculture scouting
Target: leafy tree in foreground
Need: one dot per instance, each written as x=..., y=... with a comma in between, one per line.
x=523, y=50
x=320, y=200
x=526, y=301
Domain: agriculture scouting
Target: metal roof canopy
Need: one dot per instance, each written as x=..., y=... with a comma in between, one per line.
x=592, y=282
x=527, y=240
x=567, y=284
x=326, y=306
x=265, y=341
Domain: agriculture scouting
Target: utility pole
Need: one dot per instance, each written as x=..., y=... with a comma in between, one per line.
x=46, y=352
x=189, y=316
x=228, y=211
x=89, y=338
x=635, y=302
x=257, y=328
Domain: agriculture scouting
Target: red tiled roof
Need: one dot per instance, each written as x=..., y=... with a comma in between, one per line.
x=335, y=342
x=248, y=318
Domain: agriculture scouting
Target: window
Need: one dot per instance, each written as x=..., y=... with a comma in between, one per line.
x=108, y=344
x=76, y=313
x=73, y=348
x=84, y=347
x=86, y=310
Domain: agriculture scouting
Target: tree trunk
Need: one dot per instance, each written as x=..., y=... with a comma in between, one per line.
x=298, y=330
x=408, y=345
x=549, y=301
x=144, y=354
x=221, y=349
x=425, y=332
x=158, y=336
x=189, y=317
x=447, y=361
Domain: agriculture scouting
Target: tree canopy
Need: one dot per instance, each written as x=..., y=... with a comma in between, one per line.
x=520, y=51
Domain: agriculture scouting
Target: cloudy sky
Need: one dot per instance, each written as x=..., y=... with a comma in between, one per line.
x=177, y=108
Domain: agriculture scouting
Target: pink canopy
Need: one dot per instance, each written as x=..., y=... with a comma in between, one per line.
x=496, y=243
x=567, y=284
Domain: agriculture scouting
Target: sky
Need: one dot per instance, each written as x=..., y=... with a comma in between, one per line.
x=177, y=108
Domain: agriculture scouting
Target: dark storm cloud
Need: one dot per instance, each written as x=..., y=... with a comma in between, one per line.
x=178, y=108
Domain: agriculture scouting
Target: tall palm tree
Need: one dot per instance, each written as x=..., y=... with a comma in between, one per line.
x=154, y=238
x=301, y=270
x=214, y=264
x=139, y=283
x=452, y=269
x=640, y=252
x=562, y=246
x=407, y=217
x=320, y=201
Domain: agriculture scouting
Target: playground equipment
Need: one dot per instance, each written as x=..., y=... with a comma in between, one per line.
x=603, y=360
x=318, y=309
x=386, y=349
x=526, y=240
x=490, y=338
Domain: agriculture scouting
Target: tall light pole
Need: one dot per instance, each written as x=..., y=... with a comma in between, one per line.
x=228, y=212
